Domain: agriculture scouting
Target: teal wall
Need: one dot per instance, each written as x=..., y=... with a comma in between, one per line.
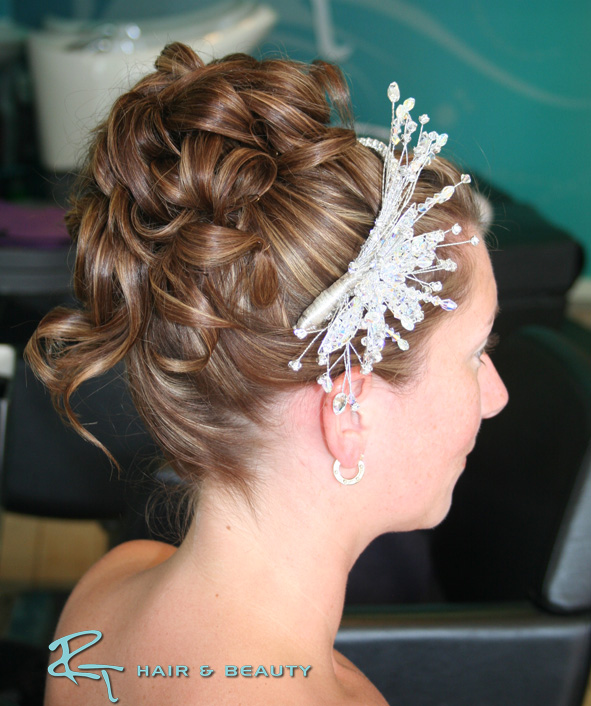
x=509, y=80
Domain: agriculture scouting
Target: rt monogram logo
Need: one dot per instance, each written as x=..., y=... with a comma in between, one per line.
x=67, y=655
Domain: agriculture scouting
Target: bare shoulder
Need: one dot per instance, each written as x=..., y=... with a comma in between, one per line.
x=136, y=555
x=102, y=604
x=124, y=560
x=118, y=564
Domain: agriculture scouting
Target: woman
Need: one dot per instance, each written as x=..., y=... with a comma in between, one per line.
x=216, y=206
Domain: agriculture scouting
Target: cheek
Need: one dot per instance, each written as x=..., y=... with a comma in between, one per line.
x=469, y=400
x=473, y=409
x=462, y=411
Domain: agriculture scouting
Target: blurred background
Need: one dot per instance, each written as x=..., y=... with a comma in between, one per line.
x=511, y=83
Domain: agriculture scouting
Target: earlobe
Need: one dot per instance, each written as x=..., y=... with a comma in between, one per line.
x=345, y=432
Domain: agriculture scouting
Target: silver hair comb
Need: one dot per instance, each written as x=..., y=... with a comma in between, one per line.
x=386, y=275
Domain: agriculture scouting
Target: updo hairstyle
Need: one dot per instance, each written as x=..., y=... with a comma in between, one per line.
x=216, y=203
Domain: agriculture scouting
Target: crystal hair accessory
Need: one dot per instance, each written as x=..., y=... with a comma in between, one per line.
x=386, y=275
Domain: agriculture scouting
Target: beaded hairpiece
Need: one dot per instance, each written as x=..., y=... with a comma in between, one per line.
x=386, y=275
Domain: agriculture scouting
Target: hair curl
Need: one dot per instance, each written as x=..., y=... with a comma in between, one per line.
x=216, y=203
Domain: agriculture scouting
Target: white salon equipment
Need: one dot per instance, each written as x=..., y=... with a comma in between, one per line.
x=79, y=69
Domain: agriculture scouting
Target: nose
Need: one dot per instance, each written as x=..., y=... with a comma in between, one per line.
x=493, y=393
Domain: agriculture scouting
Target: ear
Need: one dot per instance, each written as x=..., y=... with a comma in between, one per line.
x=346, y=434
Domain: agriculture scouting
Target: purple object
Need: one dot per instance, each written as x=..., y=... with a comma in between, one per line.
x=32, y=226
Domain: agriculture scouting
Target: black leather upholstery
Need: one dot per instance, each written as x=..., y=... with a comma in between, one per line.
x=472, y=656
x=535, y=264
x=520, y=523
x=49, y=470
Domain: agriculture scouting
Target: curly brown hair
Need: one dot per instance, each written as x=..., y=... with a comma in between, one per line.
x=216, y=203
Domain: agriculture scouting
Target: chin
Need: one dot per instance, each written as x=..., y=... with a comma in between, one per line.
x=437, y=515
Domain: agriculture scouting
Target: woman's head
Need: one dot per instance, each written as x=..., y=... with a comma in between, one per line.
x=217, y=202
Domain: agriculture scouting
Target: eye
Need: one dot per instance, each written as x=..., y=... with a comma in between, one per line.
x=491, y=342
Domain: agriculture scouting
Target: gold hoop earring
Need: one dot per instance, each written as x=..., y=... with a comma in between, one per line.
x=336, y=469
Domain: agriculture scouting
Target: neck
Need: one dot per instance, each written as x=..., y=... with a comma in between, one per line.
x=283, y=566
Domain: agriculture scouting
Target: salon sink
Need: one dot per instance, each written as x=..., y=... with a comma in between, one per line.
x=79, y=69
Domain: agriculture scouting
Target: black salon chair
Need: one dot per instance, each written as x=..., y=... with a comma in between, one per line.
x=513, y=559
x=47, y=470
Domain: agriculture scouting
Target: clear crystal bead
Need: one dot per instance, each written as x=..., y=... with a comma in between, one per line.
x=423, y=119
x=403, y=344
x=325, y=381
x=446, y=193
x=295, y=365
x=409, y=104
x=393, y=92
x=474, y=240
x=448, y=305
x=339, y=403
x=465, y=179
x=300, y=332
x=456, y=229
